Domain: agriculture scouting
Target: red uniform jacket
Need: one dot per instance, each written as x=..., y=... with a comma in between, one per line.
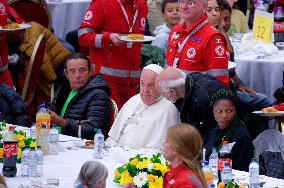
x=118, y=63
x=205, y=50
x=181, y=177
x=4, y=11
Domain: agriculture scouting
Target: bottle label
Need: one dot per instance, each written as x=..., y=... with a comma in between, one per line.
x=10, y=150
x=279, y=27
x=222, y=161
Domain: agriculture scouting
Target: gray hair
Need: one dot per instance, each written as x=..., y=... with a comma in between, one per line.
x=174, y=83
x=91, y=172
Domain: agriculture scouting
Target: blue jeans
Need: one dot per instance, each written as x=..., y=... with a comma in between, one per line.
x=256, y=103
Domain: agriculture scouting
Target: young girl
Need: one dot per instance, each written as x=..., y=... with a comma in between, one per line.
x=229, y=128
x=182, y=148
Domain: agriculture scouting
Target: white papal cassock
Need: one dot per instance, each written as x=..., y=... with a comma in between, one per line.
x=140, y=126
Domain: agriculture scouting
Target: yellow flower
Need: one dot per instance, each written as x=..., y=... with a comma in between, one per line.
x=157, y=183
x=116, y=174
x=33, y=144
x=19, y=153
x=161, y=167
x=21, y=144
x=1, y=152
x=20, y=137
x=134, y=161
x=143, y=164
x=125, y=178
x=151, y=178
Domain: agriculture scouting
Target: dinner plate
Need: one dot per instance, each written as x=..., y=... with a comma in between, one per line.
x=269, y=114
x=146, y=39
x=87, y=147
x=22, y=26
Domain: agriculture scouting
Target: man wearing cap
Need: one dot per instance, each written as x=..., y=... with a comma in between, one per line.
x=144, y=118
x=195, y=45
x=118, y=61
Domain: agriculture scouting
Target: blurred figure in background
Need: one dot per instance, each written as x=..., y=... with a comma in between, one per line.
x=171, y=16
x=93, y=174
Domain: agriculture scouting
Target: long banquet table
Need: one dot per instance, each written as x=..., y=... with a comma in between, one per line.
x=66, y=165
x=67, y=15
x=262, y=73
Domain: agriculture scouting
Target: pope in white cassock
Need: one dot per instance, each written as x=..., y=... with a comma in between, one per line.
x=143, y=120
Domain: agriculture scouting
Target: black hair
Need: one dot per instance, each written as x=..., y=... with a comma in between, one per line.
x=77, y=56
x=224, y=5
x=165, y=2
x=225, y=94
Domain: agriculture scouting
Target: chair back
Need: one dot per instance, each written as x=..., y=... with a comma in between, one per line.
x=33, y=71
x=114, y=112
x=32, y=10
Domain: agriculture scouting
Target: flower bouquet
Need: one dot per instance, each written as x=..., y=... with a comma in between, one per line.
x=142, y=172
x=23, y=141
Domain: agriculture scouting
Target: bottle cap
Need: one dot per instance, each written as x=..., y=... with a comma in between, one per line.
x=225, y=142
x=11, y=128
x=205, y=163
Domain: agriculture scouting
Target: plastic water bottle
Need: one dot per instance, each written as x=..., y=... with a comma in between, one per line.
x=226, y=173
x=53, y=141
x=253, y=174
x=32, y=168
x=39, y=157
x=213, y=164
x=43, y=139
x=33, y=131
x=25, y=162
x=99, y=145
x=209, y=176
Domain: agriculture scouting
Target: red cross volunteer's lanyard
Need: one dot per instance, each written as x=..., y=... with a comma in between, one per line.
x=181, y=45
x=129, y=44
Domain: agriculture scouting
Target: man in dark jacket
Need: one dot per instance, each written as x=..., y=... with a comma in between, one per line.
x=82, y=106
x=12, y=107
x=191, y=95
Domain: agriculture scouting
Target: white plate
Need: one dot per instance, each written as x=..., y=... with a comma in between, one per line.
x=269, y=114
x=146, y=39
x=231, y=65
x=22, y=26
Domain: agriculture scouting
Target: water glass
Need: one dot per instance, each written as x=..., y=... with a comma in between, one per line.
x=53, y=181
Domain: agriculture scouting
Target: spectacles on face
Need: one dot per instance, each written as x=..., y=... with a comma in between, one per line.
x=187, y=2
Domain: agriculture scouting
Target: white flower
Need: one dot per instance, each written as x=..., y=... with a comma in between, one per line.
x=163, y=160
x=140, y=179
x=150, y=167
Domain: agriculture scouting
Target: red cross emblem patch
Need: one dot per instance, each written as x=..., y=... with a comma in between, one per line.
x=191, y=52
x=88, y=15
x=220, y=50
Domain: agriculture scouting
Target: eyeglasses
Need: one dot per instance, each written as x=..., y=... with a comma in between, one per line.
x=186, y=2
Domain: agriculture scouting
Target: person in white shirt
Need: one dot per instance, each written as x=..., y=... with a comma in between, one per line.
x=143, y=120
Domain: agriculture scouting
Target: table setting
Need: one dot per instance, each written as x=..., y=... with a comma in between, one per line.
x=62, y=170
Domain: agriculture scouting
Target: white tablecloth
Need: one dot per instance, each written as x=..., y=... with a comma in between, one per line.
x=67, y=15
x=67, y=164
x=263, y=74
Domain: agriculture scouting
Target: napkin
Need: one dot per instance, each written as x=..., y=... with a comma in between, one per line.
x=257, y=46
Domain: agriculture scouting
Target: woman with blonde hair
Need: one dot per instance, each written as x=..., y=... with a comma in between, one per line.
x=183, y=149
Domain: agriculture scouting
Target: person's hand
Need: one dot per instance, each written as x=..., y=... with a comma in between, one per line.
x=236, y=81
x=56, y=119
x=247, y=89
x=115, y=39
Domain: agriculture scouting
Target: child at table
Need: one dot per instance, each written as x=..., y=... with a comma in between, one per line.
x=182, y=148
x=93, y=174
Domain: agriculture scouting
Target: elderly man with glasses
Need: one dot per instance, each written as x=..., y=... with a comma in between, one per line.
x=195, y=45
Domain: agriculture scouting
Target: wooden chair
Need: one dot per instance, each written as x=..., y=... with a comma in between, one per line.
x=32, y=10
x=33, y=71
x=114, y=112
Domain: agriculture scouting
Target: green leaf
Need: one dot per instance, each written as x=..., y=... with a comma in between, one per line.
x=116, y=180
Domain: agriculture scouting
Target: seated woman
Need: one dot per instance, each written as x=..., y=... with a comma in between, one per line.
x=93, y=174
x=230, y=128
x=182, y=148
